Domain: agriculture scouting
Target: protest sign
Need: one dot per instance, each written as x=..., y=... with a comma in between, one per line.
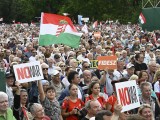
x=28, y=72
x=93, y=63
x=109, y=62
x=127, y=94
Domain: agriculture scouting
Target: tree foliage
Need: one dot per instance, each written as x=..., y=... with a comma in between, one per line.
x=26, y=10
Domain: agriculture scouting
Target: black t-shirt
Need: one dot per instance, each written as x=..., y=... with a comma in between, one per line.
x=139, y=67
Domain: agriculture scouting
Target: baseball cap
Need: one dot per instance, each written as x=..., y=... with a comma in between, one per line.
x=55, y=72
x=129, y=65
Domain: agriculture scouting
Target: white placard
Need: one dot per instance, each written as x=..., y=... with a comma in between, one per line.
x=127, y=94
x=28, y=72
x=85, y=19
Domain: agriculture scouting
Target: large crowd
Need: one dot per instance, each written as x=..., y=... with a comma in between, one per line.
x=71, y=88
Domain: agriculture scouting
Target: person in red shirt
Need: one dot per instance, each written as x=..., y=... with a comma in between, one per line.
x=72, y=105
x=113, y=98
x=94, y=94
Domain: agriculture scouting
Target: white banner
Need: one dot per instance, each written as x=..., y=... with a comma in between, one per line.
x=28, y=72
x=127, y=94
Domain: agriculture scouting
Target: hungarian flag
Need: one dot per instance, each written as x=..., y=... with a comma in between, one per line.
x=95, y=24
x=142, y=19
x=57, y=29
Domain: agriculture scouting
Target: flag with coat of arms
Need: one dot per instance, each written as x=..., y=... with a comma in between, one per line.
x=58, y=29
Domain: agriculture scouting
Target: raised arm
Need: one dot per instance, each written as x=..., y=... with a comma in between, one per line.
x=103, y=78
x=41, y=91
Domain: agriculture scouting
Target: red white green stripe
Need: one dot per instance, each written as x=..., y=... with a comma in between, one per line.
x=142, y=19
x=57, y=29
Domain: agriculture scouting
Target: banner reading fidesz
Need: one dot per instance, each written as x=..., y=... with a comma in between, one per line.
x=109, y=62
x=28, y=72
x=127, y=95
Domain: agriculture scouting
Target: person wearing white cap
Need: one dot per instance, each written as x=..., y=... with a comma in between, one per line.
x=56, y=82
x=129, y=70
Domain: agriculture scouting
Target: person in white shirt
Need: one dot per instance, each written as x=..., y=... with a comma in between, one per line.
x=118, y=74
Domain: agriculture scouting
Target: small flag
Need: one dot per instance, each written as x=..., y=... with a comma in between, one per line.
x=58, y=29
x=95, y=24
x=142, y=19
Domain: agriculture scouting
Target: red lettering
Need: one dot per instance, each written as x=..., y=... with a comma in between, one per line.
x=27, y=72
x=20, y=73
x=124, y=96
x=127, y=96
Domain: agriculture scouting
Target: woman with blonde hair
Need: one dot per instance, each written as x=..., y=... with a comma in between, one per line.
x=156, y=84
x=146, y=112
x=62, y=66
x=156, y=76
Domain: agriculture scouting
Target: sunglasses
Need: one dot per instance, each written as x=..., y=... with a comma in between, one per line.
x=142, y=51
x=45, y=69
x=86, y=66
x=62, y=66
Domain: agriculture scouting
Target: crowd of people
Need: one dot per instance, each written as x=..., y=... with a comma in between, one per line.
x=71, y=88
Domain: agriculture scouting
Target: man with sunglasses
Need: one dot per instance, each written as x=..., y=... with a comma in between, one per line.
x=45, y=71
x=85, y=66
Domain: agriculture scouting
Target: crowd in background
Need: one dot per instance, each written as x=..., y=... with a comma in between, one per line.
x=73, y=91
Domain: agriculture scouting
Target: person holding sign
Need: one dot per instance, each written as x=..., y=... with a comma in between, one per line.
x=113, y=98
